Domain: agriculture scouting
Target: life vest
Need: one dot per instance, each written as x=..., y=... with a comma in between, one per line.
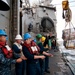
x=32, y=48
x=19, y=47
x=7, y=51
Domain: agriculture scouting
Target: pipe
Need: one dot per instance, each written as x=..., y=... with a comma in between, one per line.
x=18, y=16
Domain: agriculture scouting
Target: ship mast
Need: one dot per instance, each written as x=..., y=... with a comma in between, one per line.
x=27, y=3
x=46, y=2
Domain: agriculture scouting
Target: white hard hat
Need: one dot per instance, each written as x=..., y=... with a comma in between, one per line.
x=18, y=37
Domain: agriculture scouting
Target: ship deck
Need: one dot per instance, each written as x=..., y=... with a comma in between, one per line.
x=57, y=65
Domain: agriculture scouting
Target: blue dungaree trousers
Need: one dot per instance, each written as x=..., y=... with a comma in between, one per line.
x=33, y=68
x=20, y=68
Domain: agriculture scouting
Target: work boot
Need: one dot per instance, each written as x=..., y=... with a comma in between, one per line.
x=47, y=71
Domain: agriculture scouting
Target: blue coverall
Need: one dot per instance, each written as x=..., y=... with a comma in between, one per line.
x=33, y=66
x=19, y=67
x=5, y=64
x=42, y=62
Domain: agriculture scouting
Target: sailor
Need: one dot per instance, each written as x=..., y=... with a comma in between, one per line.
x=43, y=52
x=53, y=42
x=47, y=42
x=47, y=45
x=6, y=55
x=31, y=51
x=17, y=48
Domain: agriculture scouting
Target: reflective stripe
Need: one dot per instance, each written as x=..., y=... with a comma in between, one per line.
x=34, y=48
x=49, y=43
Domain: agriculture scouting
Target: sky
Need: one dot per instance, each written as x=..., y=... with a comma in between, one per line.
x=60, y=21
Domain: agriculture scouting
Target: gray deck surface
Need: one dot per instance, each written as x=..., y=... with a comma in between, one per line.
x=56, y=65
